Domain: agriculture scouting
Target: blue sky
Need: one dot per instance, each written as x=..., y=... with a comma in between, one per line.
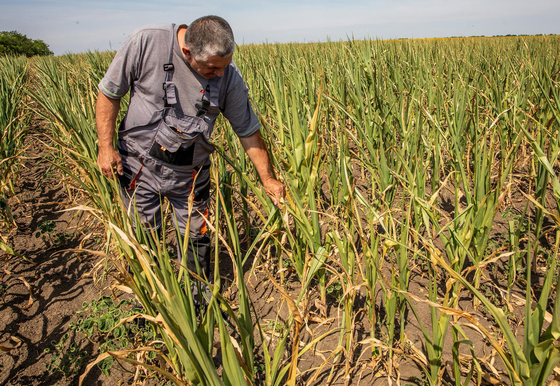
x=81, y=25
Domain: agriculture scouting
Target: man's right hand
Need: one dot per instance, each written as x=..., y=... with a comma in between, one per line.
x=109, y=162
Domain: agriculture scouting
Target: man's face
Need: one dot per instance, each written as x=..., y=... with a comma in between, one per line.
x=209, y=68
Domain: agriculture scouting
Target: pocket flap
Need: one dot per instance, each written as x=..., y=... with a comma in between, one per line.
x=185, y=125
x=170, y=139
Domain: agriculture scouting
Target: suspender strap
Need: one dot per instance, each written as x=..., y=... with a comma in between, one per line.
x=168, y=86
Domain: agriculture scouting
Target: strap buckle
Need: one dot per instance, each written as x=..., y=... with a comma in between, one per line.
x=168, y=67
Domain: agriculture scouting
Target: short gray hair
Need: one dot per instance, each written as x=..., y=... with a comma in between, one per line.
x=208, y=36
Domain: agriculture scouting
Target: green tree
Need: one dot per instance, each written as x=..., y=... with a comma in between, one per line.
x=15, y=43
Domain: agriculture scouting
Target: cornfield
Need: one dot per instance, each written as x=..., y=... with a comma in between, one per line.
x=422, y=215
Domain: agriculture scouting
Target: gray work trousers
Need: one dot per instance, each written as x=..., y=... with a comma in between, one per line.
x=146, y=181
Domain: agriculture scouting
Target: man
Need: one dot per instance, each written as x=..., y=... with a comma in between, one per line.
x=163, y=142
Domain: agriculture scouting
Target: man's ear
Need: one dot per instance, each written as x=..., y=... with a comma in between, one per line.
x=186, y=53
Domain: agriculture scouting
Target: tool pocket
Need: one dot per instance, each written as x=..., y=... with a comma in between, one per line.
x=176, y=139
x=172, y=146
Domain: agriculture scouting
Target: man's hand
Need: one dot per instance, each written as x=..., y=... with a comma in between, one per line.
x=109, y=162
x=275, y=190
x=256, y=149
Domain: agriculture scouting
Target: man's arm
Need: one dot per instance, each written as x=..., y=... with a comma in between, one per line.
x=106, y=112
x=256, y=149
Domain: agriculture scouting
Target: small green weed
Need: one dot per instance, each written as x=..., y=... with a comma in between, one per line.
x=275, y=326
x=97, y=321
x=417, y=381
x=520, y=269
x=45, y=228
x=491, y=295
x=335, y=291
x=519, y=220
x=46, y=231
x=65, y=357
x=509, y=212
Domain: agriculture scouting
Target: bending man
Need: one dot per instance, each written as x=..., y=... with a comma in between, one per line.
x=164, y=140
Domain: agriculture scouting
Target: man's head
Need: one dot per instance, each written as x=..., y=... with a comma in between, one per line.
x=209, y=45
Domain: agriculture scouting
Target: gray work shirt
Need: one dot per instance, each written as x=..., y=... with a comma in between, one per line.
x=138, y=67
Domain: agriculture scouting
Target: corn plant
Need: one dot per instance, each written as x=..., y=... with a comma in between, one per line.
x=14, y=121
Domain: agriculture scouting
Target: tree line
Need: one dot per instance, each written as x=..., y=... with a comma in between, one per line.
x=16, y=44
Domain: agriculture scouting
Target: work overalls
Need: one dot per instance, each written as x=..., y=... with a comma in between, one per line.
x=174, y=163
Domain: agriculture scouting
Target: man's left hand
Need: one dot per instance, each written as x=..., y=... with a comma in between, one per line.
x=275, y=190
